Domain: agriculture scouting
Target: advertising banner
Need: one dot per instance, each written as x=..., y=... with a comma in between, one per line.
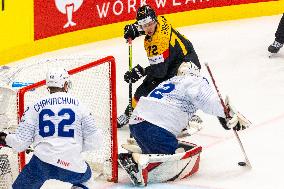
x=55, y=17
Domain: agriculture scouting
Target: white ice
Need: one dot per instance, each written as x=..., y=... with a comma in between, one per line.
x=237, y=53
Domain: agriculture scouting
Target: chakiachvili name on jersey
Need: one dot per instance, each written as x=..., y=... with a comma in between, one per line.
x=54, y=101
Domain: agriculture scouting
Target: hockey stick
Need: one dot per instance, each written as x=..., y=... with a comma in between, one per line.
x=227, y=114
x=130, y=68
x=130, y=82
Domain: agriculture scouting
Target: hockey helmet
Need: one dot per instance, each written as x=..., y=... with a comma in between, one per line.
x=57, y=78
x=188, y=68
x=145, y=14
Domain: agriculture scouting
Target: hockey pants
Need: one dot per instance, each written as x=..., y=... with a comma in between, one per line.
x=36, y=172
x=153, y=139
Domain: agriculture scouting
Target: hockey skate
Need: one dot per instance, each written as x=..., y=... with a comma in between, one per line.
x=122, y=120
x=194, y=125
x=274, y=48
x=126, y=161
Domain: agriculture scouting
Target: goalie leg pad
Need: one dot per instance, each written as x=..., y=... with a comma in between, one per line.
x=155, y=168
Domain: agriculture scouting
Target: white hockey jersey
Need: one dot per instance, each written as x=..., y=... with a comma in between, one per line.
x=60, y=128
x=172, y=103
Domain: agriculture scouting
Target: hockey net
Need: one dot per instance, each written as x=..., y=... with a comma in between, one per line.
x=93, y=82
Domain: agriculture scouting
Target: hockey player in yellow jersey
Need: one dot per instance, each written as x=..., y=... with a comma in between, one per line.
x=166, y=50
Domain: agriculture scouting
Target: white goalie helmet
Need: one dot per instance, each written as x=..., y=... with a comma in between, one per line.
x=57, y=78
x=188, y=68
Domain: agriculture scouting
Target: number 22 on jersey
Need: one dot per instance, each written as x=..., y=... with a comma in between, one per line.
x=158, y=92
x=47, y=127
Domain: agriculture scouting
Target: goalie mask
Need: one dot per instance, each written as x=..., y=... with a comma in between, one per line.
x=57, y=78
x=145, y=15
x=188, y=68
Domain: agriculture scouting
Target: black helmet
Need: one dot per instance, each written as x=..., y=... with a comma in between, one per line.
x=145, y=14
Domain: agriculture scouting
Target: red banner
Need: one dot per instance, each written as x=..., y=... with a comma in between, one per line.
x=62, y=16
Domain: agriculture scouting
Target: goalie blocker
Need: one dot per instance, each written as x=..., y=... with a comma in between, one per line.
x=152, y=168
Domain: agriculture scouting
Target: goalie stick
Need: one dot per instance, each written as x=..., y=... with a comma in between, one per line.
x=227, y=114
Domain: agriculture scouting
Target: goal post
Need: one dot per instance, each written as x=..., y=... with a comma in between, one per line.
x=94, y=83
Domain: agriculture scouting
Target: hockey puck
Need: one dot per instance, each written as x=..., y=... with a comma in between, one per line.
x=241, y=163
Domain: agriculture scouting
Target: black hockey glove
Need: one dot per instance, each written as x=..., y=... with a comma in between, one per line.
x=2, y=139
x=135, y=74
x=131, y=31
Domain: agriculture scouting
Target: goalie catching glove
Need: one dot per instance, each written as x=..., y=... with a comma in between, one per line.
x=135, y=74
x=236, y=120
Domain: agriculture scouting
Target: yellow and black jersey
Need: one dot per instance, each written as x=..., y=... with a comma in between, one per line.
x=166, y=50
